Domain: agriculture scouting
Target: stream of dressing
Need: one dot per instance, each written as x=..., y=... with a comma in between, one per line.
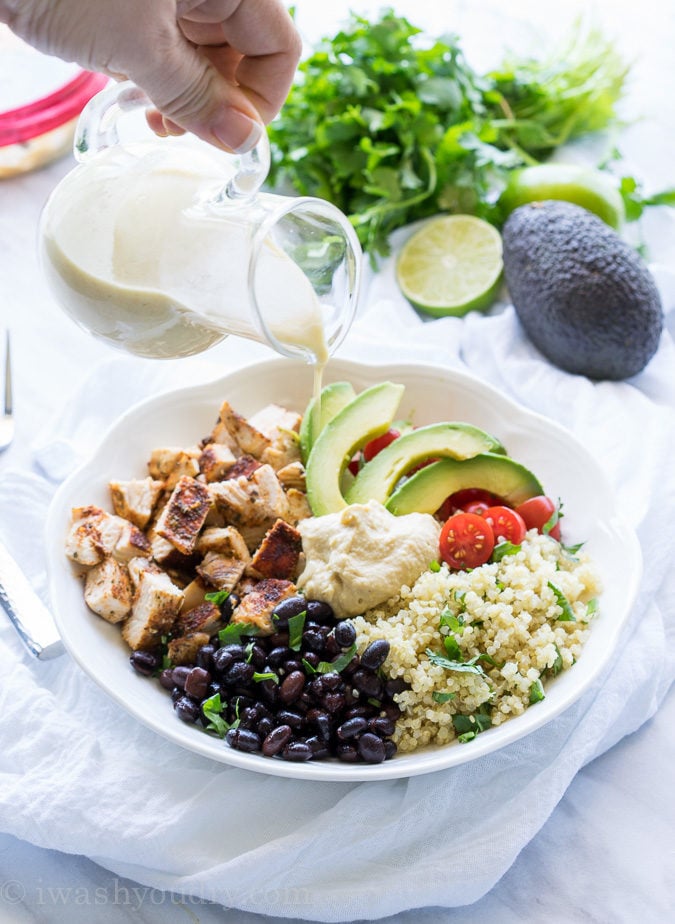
x=138, y=255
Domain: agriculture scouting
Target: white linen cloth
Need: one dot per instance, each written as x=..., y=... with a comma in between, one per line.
x=79, y=775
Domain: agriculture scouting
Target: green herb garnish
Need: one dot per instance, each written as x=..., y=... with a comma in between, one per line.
x=266, y=675
x=339, y=664
x=454, y=623
x=501, y=550
x=592, y=607
x=554, y=519
x=452, y=648
x=296, y=625
x=434, y=566
x=235, y=631
x=537, y=692
x=564, y=604
x=439, y=697
x=557, y=665
x=468, y=726
x=217, y=596
x=212, y=709
x=464, y=667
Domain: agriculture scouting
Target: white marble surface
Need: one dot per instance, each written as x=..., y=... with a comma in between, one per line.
x=606, y=854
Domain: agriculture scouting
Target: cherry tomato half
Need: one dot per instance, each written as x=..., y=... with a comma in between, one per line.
x=506, y=524
x=466, y=541
x=371, y=449
x=536, y=513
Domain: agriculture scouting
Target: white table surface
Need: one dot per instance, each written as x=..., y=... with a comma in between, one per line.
x=606, y=855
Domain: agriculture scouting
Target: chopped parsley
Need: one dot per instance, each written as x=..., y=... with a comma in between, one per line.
x=439, y=697
x=327, y=667
x=212, y=709
x=266, y=675
x=537, y=692
x=469, y=726
x=501, y=550
x=554, y=519
x=296, y=625
x=564, y=604
x=217, y=596
x=234, y=631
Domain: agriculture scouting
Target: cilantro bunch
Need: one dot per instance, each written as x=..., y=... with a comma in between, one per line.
x=391, y=127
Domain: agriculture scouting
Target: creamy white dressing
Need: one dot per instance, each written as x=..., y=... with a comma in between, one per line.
x=139, y=252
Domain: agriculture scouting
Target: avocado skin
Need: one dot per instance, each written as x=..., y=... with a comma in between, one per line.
x=584, y=297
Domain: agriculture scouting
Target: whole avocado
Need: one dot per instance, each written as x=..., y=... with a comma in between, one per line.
x=584, y=297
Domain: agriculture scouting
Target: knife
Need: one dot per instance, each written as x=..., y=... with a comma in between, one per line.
x=31, y=618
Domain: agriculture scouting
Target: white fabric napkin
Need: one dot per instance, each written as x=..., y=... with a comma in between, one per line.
x=79, y=775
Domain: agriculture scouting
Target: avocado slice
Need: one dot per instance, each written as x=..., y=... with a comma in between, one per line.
x=377, y=478
x=368, y=415
x=426, y=490
x=332, y=399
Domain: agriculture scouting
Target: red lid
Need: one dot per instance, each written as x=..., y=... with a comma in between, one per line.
x=50, y=112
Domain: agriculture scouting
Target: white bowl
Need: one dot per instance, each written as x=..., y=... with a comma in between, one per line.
x=432, y=394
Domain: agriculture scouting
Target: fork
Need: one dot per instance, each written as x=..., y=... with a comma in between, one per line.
x=7, y=420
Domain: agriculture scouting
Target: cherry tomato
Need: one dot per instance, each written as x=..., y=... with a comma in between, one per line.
x=461, y=499
x=477, y=507
x=355, y=465
x=537, y=511
x=371, y=449
x=506, y=523
x=466, y=541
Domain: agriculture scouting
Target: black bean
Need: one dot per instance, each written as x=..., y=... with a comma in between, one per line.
x=278, y=638
x=333, y=701
x=319, y=611
x=395, y=685
x=197, y=682
x=293, y=664
x=277, y=739
x=331, y=680
x=291, y=606
x=205, y=657
x=389, y=749
x=257, y=657
x=180, y=675
x=176, y=694
x=351, y=728
x=291, y=687
x=239, y=673
x=297, y=751
x=248, y=717
x=347, y=753
x=365, y=710
x=322, y=721
x=316, y=686
x=225, y=657
x=368, y=683
x=278, y=655
x=371, y=748
x=318, y=746
x=392, y=710
x=243, y=739
x=314, y=639
x=291, y=717
x=269, y=689
x=311, y=657
x=265, y=726
x=166, y=679
x=345, y=633
x=331, y=649
x=375, y=654
x=228, y=605
x=187, y=709
x=382, y=725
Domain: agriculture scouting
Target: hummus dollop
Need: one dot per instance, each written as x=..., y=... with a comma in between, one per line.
x=362, y=555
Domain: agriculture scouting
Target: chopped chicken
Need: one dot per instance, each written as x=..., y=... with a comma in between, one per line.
x=221, y=571
x=169, y=464
x=167, y=555
x=135, y=500
x=215, y=461
x=183, y=650
x=193, y=594
x=281, y=427
x=227, y=540
x=256, y=607
x=131, y=543
x=245, y=465
x=92, y=536
x=183, y=517
x=107, y=590
x=298, y=506
x=156, y=604
x=206, y=617
x=137, y=567
x=278, y=554
x=292, y=476
x=251, y=501
x=237, y=433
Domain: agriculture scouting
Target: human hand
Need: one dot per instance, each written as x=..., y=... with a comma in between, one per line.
x=217, y=68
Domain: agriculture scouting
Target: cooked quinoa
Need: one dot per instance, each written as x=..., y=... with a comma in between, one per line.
x=507, y=611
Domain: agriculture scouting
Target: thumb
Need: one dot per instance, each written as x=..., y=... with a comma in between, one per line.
x=191, y=93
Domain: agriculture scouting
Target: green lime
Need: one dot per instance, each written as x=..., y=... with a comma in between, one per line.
x=452, y=265
x=591, y=189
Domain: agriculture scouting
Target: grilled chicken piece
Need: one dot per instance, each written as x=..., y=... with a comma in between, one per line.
x=237, y=433
x=92, y=536
x=298, y=506
x=183, y=517
x=193, y=594
x=254, y=500
x=281, y=427
x=278, y=554
x=206, y=617
x=226, y=540
x=256, y=607
x=168, y=556
x=131, y=543
x=170, y=463
x=221, y=571
x=135, y=500
x=184, y=650
x=138, y=566
x=293, y=476
x=108, y=591
x=156, y=604
x=215, y=461
x=245, y=465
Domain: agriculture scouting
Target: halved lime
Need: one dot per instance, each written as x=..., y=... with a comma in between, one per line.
x=452, y=265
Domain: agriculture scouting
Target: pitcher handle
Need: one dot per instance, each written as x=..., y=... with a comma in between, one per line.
x=97, y=130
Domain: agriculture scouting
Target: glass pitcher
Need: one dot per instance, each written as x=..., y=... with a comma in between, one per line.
x=164, y=246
